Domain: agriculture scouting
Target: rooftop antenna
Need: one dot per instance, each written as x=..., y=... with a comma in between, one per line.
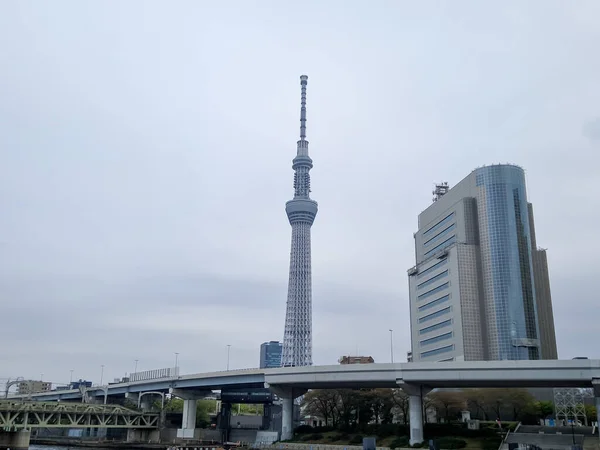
x=440, y=190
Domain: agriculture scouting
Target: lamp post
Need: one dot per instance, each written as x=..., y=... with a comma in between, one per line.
x=71, y=378
x=101, y=374
x=135, y=369
x=176, y=362
x=228, y=350
x=392, y=345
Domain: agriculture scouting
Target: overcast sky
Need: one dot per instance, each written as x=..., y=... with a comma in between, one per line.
x=146, y=155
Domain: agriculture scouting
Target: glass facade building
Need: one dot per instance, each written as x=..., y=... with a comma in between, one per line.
x=473, y=289
x=270, y=354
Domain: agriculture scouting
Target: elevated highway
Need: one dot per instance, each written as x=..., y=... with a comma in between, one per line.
x=416, y=379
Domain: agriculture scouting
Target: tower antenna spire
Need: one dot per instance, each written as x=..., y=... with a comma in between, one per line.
x=303, y=83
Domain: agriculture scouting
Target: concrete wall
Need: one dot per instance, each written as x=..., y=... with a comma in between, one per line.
x=294, y=446
x=146, y=436
x=252, y=422
x=15, y=440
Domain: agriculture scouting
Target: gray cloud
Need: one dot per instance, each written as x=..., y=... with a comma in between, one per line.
x=146, y=159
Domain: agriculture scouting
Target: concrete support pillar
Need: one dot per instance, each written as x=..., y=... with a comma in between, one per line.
x=416, y=419
x=188, y=420
x=267, y=413
x=286, y=396
x=14, y=440
x=596, y=386
x=598, y=414
x=224, y=421
x=415, y=403
x=287, y=418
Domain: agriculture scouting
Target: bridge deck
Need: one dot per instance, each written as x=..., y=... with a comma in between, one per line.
x=16, y=415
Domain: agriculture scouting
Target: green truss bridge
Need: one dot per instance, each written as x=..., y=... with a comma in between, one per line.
x=15, y=416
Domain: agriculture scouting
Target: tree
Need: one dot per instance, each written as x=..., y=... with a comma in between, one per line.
x=428, y=403
x=401, y=403
x=591, y=413
x=448, y=402
x=346, y=407
x=477, y=400
x=321, y=403
x=381, y=404
x=518, y=400
x=544, y=409
x=174, y=404
x=495, y=399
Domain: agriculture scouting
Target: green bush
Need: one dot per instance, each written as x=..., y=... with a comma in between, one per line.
x=342, y=437
x=311, y=437
x=401, y=442
x=385, y=430
x=303, y=429
x=449, y=443
x=437, y=430
x=491, y=443
x=358, y=439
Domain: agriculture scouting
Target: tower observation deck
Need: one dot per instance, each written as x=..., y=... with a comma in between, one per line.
x=301, y=212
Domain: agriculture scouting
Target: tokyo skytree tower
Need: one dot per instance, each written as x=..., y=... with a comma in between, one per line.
x=301, y=212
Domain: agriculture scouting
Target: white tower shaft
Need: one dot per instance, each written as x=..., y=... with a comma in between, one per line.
x=301, y=212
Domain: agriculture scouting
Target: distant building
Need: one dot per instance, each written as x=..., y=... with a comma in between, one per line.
x=356, y=360
x=270, y=354
x=33, y=386
x=77, y=384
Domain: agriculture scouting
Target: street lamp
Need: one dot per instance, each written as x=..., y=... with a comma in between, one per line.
x=71, y=377
x=228, y=350
x=135, y=370
x=392, y=345
x=101, y=374
x=176, y=362
x=42, y=377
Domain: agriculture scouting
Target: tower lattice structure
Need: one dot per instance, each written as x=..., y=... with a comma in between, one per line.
x=301, y=212
x=569, y=404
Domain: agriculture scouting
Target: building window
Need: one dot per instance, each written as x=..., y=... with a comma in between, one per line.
x=433, y=291
x=439, y=225
x=437, y=326
x=437, y=351
x=434, y=303
x=432, y=268
x=438, y=247
x=444, y=232
x=433, y=340
x=433, y=279
x=435, y=315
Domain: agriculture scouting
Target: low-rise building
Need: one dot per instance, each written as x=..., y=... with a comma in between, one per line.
x=33, y=386
x=356, y=360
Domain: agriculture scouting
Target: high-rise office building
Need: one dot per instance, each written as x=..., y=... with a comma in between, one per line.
x=480, y=288
x=301, y=212
x=270, y=354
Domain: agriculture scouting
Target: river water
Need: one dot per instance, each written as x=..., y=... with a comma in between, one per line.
x=58, y=447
